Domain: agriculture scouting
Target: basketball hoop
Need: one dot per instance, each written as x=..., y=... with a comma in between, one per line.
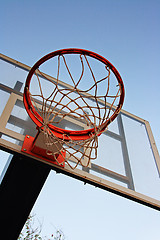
x=95, y=110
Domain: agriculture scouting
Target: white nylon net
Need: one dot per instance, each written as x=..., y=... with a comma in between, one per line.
x=88, y=106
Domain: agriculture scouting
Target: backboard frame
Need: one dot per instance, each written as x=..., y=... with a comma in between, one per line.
x=84, y=176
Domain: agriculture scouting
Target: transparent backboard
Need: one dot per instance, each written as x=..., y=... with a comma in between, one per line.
x=128, y=161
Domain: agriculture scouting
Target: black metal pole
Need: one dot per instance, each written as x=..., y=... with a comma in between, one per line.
x=19, y=190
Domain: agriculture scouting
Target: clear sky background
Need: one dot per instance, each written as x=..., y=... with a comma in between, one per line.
x=127, y=33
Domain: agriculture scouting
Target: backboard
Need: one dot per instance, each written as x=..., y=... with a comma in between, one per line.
x=127, y=163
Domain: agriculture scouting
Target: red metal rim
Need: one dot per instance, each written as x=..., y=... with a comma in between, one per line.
x=63, y=133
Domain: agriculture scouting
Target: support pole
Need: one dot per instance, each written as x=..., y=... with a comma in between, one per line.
x=19, y=190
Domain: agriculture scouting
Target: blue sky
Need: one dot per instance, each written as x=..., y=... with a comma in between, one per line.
x=127, y=33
